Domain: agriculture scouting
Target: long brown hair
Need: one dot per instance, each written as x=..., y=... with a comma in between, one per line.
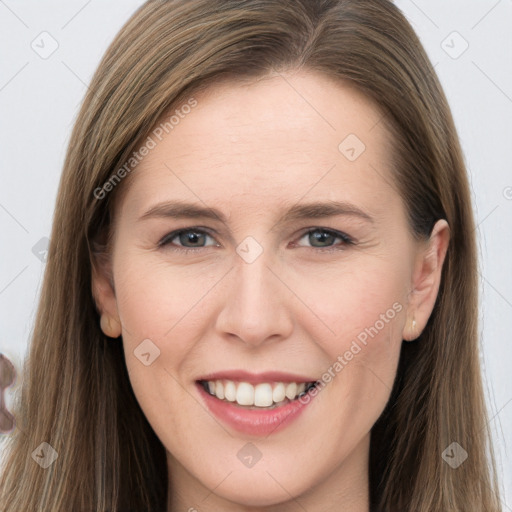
x=76, y=394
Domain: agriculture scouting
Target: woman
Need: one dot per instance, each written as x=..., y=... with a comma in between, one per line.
x=224, y=376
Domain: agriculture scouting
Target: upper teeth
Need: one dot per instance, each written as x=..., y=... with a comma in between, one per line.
x=261, y=395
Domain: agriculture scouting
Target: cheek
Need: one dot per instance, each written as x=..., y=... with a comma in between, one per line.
x=363, y=302
x=155, y=303
x=362, y=313
x=159, y=306
x=155, y=298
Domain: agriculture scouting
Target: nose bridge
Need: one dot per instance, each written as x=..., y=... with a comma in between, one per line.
x=254, y=274
x=254, y=280
x=255, y=308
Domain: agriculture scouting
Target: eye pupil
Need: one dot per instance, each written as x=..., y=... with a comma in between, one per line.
x=190, y=236
x=320, y=236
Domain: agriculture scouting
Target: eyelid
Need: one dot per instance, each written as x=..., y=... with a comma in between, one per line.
x=346, y=239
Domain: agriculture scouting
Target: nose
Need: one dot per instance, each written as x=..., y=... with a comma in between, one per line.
x=258, y=305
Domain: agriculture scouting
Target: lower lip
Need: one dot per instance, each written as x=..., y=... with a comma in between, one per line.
x=253, y=421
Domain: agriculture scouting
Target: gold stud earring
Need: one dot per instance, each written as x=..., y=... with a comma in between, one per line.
x=413, y=329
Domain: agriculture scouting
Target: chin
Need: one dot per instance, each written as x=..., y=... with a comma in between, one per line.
x=262, y=490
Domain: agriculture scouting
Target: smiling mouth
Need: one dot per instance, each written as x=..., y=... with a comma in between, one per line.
x=260, y=396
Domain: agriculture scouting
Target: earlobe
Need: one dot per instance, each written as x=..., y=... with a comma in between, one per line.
x=410, y=334
x=104, y=296
x=426, y=281
x=110, y=326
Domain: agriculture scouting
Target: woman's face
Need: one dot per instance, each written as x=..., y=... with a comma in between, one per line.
x=256, y=304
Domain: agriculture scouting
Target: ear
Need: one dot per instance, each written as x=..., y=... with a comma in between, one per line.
x=104, y=295
x=426, y=280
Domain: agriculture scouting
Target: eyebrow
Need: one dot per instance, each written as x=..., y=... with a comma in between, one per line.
x=315, y=210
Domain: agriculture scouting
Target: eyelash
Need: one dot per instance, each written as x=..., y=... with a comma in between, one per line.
x=165, y=241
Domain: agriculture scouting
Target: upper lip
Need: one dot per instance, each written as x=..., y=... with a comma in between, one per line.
x=256, y=378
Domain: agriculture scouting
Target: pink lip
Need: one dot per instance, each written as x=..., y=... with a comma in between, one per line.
x=256, y=378
x=252, y=421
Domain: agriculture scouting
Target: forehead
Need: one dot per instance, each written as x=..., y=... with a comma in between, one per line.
x=270, y=140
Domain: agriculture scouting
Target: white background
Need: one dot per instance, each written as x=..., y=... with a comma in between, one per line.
x=39, y=100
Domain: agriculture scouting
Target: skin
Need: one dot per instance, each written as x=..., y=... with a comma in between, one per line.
x=252, y=151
